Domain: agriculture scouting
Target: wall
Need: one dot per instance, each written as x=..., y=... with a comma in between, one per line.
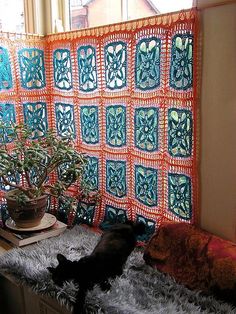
x=218, y=121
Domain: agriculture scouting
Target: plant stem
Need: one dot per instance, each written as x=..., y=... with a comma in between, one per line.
x=19, y=187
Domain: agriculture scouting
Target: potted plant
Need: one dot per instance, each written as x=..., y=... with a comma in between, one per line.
x=32, y=169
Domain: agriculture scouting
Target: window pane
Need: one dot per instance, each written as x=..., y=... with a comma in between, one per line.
x=90, y=13
x=165, y=6
x=12, y=16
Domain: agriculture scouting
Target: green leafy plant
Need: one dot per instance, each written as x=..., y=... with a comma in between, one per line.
x=49, y=165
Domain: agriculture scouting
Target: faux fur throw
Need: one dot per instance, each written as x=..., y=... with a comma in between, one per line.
x=140, y=290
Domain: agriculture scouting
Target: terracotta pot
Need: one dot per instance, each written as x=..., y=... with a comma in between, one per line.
x=28, y=215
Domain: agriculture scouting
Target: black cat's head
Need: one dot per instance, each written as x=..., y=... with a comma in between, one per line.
x=63, y=271
x=138, y=227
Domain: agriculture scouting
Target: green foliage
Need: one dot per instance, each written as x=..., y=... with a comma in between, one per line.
x=28, y=164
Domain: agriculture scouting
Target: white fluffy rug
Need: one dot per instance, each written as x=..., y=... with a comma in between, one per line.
x=140, y=290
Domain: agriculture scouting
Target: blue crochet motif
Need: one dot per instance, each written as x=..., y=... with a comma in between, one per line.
x=180, y=132
x=149, y=227
x=112, y=216
x=62, y=171
x=35, y=116
x=85, y=213
x=146, y=129
x=116, y=178
x=91, y=173
x=32, y=70
x=34, y=173
x=4, y=215
x=62, y=69
x=115, y=55
x=48, y=206
x=89, y=124
x=179, y=195
x=7, y=116
x=13, y=179
x=181, y=69
x=146, y=185
x=116, y=125
x=64, y=207
x=5, y=70
x=65, y=120
x=147, y=63
x=87, y=68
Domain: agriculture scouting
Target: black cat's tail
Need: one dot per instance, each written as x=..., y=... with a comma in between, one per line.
x=79, y=306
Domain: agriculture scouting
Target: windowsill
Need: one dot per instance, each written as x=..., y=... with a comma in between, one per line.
x=4, y=246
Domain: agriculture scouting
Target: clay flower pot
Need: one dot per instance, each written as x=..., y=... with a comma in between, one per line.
x=30, y=213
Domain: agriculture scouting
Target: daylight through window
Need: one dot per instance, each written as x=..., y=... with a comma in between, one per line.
x=90, y=13
x=12, y=16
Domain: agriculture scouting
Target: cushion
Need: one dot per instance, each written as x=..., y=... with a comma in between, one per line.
x=195, y=258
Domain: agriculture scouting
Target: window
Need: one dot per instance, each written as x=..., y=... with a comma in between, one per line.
x=90, y=13
x=172, y=5
x=78, y=14
x=12, y=16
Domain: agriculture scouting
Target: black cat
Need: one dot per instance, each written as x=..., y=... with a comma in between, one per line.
x=106, y=261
